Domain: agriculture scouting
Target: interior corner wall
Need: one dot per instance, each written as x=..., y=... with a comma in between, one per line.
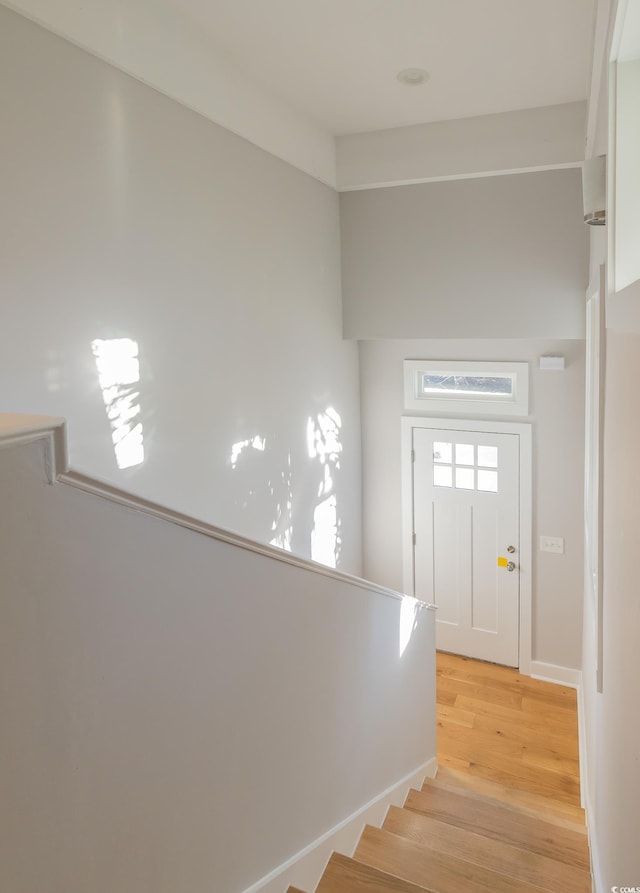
x=613, y=724
x=493, y=257
x=557, y=417
x=611, y=727
x=127, y=216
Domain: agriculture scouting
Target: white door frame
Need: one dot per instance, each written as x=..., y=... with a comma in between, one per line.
x=523, y=431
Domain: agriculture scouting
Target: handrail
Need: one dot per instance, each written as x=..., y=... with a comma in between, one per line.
x=21, y=429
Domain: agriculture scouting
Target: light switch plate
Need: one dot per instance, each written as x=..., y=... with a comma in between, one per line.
x=552, y=544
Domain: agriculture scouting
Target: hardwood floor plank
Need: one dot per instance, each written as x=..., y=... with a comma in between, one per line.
x=452, y=762
x=431, y=868
x=485, y=693
x=506, y=679
x=556, y=788
x=478, y=739
x=524, y=733
x=507, y=760
x=344, y=875
x=458, y=664
x=546, y=758
x=445, y=697
x=502, y=823
x=529, y=734
x=564, y=724
x=535, y=705
x=555, y=811
x=549, y=874
x=455, y=715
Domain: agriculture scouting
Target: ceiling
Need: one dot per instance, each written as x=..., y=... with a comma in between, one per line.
x=337, y=60
x=292, y=75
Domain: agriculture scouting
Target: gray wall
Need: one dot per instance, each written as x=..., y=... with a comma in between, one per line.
x=499, y=257
x=180, y=715
x=125, y=215
x=557, y=415
x=614, y=717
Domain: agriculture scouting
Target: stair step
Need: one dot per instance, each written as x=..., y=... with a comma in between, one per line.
x=344, y=875
x=504, y=858
x=430, y=868
x=562, y=814
x=498, y=822
x=505, y=761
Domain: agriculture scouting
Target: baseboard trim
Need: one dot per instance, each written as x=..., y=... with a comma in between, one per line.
x=305, y=868
x=596, y=876
x=572, y=679
x=555, y=673
x=582, y=747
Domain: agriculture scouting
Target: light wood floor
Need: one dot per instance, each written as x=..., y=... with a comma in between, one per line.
x=503, y=813
x=498, y=728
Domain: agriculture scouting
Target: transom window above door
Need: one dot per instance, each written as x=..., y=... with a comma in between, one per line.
x=465, y=466
x=466, y=387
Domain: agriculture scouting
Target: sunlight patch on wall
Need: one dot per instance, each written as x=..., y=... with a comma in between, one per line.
x=256, y=443
x=118, y=373
x=323, y=443
x=408, y=622
x=282, y=528
x=324, y=536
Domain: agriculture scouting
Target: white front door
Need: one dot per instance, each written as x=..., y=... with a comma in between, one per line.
x=466, y=549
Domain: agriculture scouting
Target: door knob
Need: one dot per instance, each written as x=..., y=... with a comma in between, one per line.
x=504, y=562
x=511, y=549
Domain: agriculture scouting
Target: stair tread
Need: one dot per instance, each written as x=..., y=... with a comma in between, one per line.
x=558, y=813
x=431, y=868
x=492, y=819
x=504, y=858
x=345, y=875
x=504, y=759
x=512, y=775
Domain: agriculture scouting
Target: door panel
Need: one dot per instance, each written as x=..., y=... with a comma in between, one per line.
x=466, y=515
x=446, y=523
x=485, y=547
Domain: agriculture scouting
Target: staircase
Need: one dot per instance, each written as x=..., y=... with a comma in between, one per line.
x=461, y=833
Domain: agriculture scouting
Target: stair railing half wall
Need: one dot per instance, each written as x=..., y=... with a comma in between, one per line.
x=185, y=708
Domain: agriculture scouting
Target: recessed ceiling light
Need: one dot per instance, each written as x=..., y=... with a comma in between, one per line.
x=413, y=77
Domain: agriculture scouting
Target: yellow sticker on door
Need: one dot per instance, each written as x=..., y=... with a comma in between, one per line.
x=503, y=562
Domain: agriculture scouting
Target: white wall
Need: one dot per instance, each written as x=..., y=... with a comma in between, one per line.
x=496, y=257
x=170, y=51
x=529, y=138
x=611, y=719
x=627, y=174
x=180, y=714
x=616, y=781
x=612, y=722
x=557, y=414
x=125, y=215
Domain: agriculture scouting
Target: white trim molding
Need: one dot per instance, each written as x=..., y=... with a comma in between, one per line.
x=461, y=402
x=17, y=429
x=524, y=433
x=555, y=673
x=305, y=868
